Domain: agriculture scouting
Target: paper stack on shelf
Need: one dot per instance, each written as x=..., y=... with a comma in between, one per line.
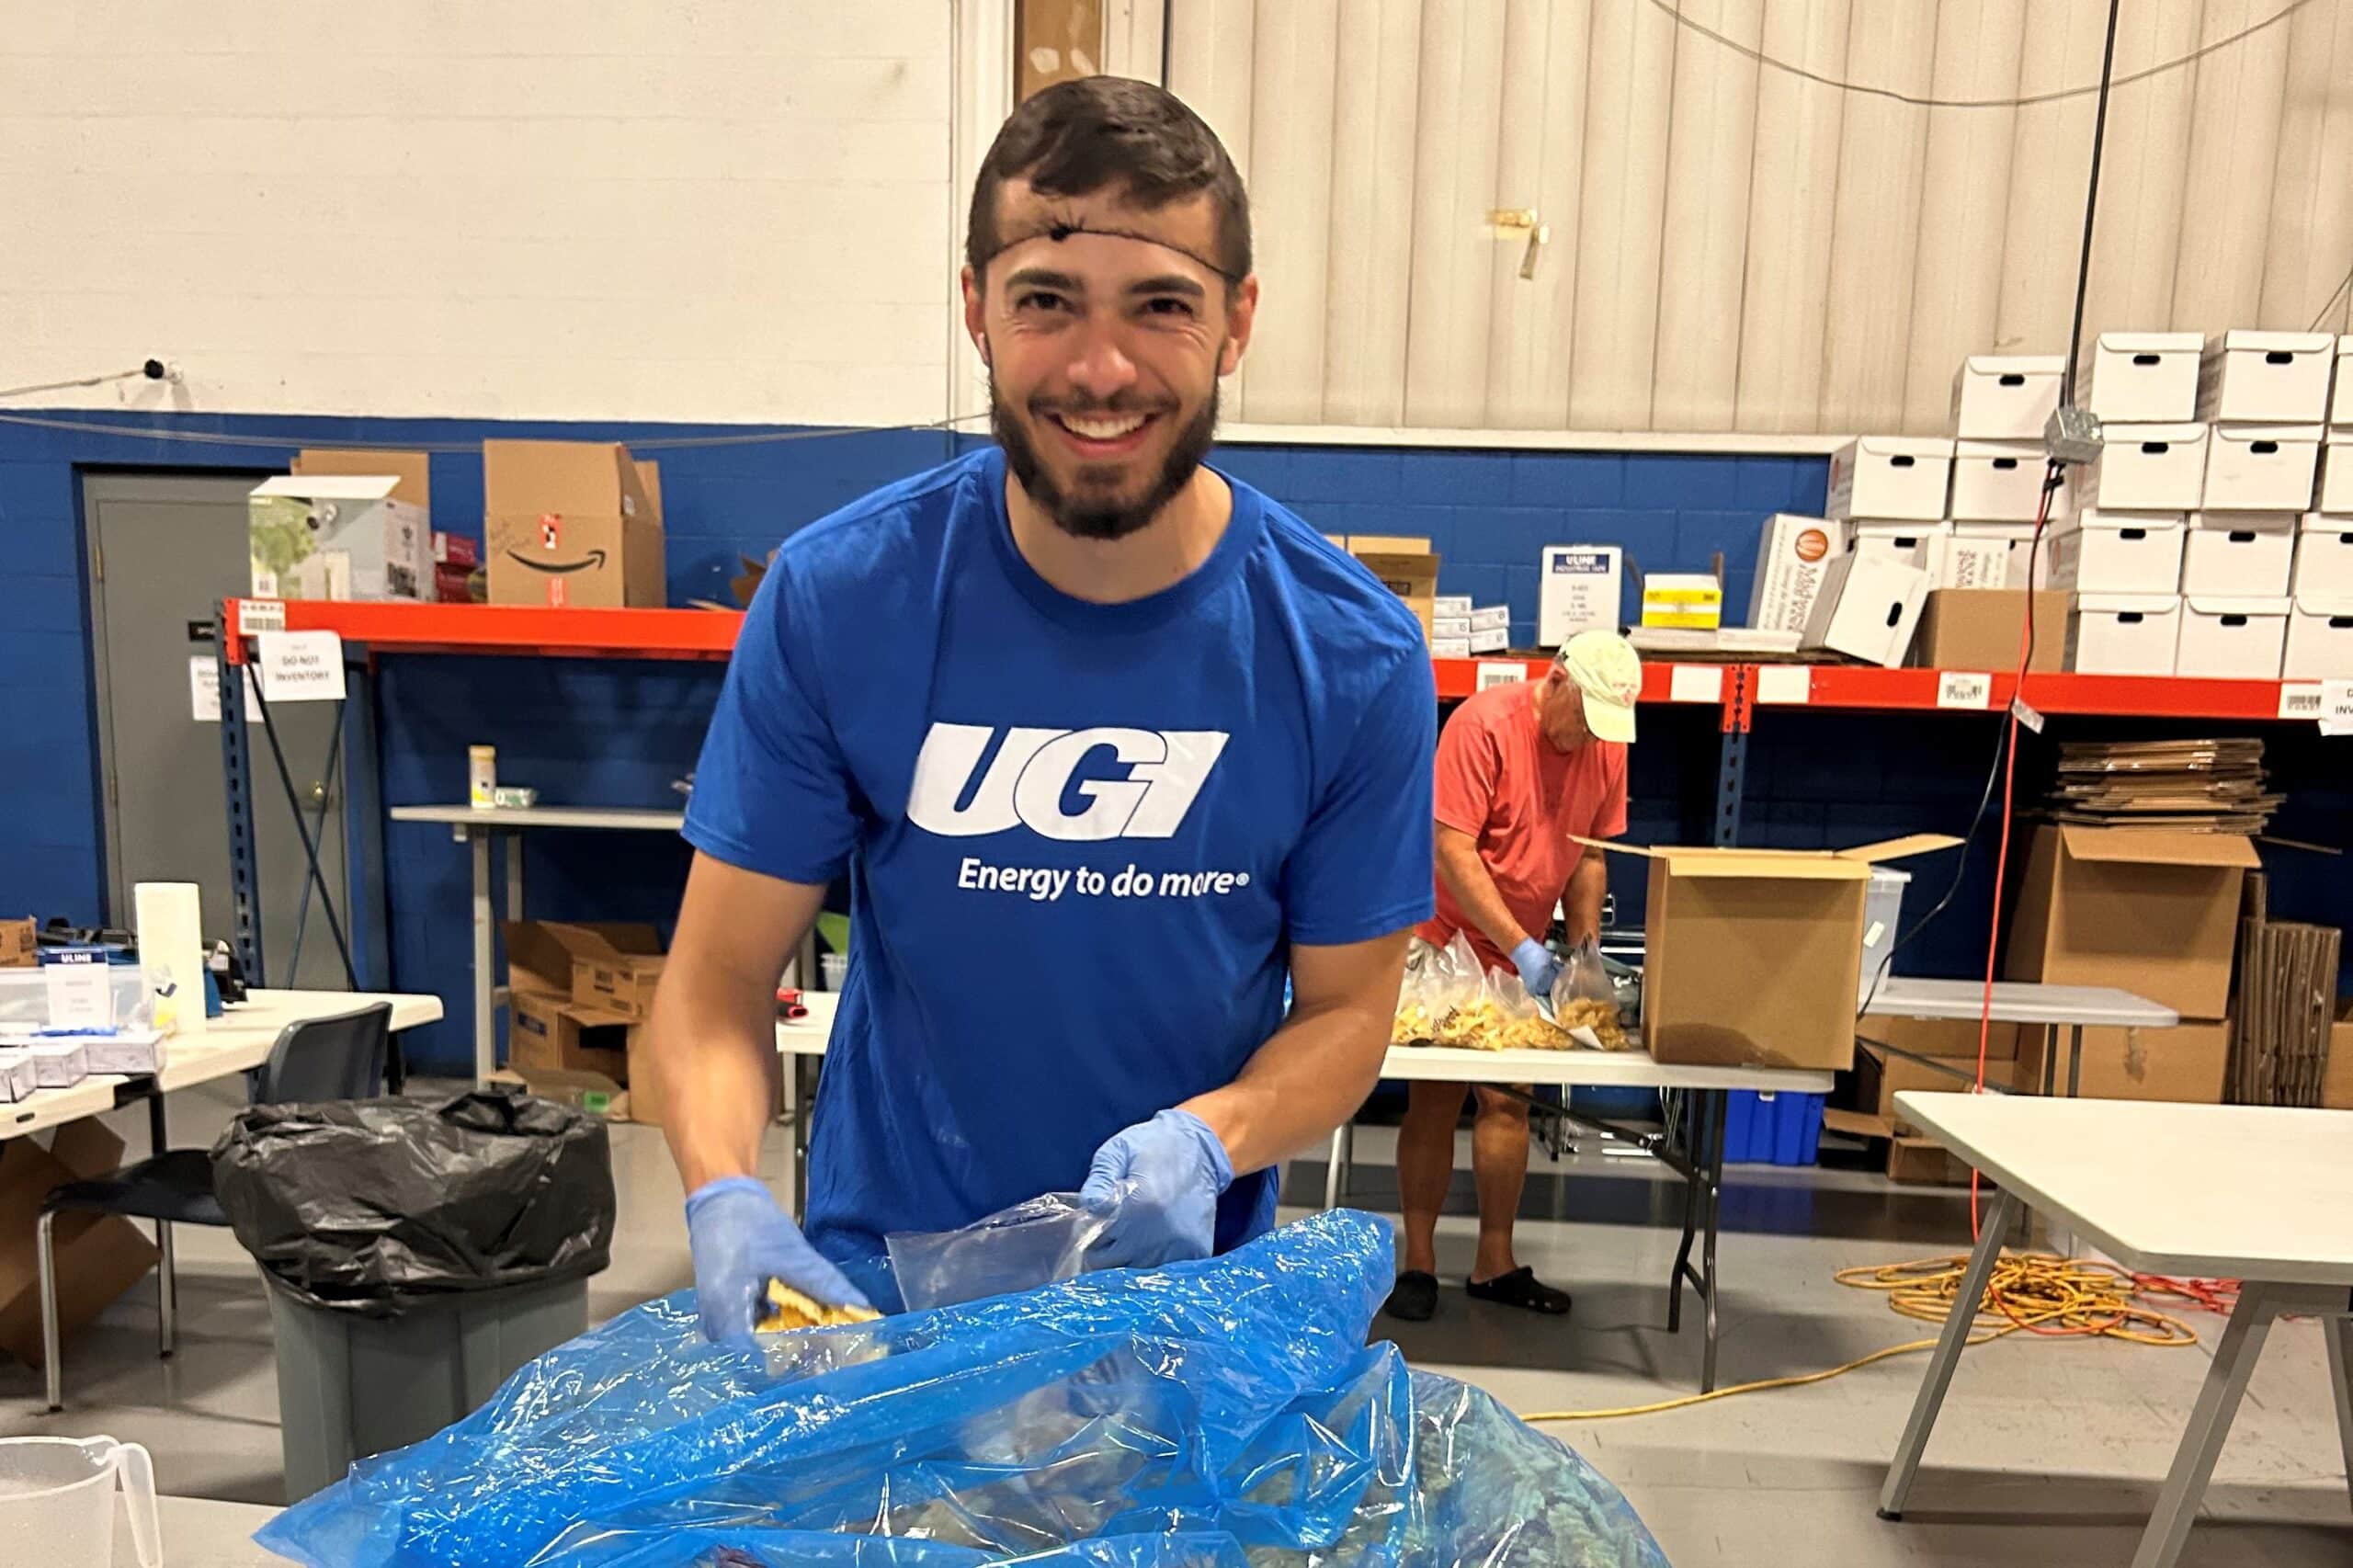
x=2187, y=786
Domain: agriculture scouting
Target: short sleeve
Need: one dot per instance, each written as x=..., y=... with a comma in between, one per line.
x=1469, y=765
x=772, y=793
x=1609, y=818
x=1362, y=868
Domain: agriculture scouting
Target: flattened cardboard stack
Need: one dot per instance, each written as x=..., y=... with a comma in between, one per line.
x=2280, y=1044
x=2190, y=786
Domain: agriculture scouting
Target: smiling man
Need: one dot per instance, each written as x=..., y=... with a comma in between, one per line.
x=1109, y=746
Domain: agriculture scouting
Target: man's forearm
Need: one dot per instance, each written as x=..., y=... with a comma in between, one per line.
x=1474, y=890
x=1308, y=1078
x=714, y=1061
x=1581, y=904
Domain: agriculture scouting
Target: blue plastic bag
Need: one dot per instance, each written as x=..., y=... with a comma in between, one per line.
x=1225, y=1414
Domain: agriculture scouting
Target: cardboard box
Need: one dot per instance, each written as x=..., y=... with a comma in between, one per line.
x=2145, y=378
x=2336, y=493
x=98, y=1255
x=1953, y=1038
x=582, y=1090
x=2262, y=468
x=616, y=971
x=336, y=537
x=1579, y=588
x=550, y=1032
x=2277, y=378
x=412, y=471
x=2239, y=554
x=2320, y=640
x=1754, y=954
x=570, y=523
x=1973, y=562
x=1977, y=629
x=2146, y=468
x=2103, y=551
x=559, y=965
x=1793, y=552
x=2006, y=397
x=2124, y=634
x=1491, y=618
x=1924, y=1162
x=1450, y=647
x=2156, y=913
x=1407, y=567
x=2336, y=1081
x=2001, y=482
x=2340, y=408
x=1880, y=1077
x=1893, y=477
x=2231, y=638
x=1490, y=640
x=2022, y=559
x=1867, y=609
x=1449, y=626
x=1903, y=544
x=1451, y=605
x=19, y=944
x=2323, y=563
x=2186, y=1063
x=1691, y=601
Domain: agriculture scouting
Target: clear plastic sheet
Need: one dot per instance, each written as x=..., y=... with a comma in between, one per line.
x=1018, y=1248
x=1225, y=1414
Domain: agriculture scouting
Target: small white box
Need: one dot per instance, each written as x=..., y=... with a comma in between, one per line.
x=2231, y=638
x=1447, y=607
x=2337, y=472
x=2324, y=566
x=2124, y=634
x=1793, y=552
x=2262, y=468
x=1901, y=477
x=1867, y=609
x=1903, y=543
x=56, y=1064
x=1579, y=588
x=2320, y=640
x=2006, y=397
x=1450, y=647
x=133, y=1051
x=2239, y=554
x=2001, y=482
x=1449, y=626
x=2145, y=378
x=1490, y=640
x=2101, y=552
x=16, y=1077
x=2019, y=540
x=2265, y=378
x=2340, y=410
x=336, y=536
x=1491, y=618
x=2147, y=468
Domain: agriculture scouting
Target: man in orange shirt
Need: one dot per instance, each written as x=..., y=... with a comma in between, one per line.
x=1520, y=769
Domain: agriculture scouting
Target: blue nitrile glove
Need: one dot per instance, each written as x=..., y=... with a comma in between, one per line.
x=740, y=1240
x=1537, y=968
x=1158, y=1183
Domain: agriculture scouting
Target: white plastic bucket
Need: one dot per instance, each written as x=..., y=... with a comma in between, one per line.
x=57, y=1501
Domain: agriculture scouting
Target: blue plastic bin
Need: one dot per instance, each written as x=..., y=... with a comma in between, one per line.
x=1766, y=1128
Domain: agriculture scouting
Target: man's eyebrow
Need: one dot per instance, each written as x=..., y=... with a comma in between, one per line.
x=1045, y=278
x=1168, y=283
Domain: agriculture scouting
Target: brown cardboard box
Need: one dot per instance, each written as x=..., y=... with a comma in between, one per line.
x=2184, y=1063
x=2336, y=1082
x=1755, y=954
x=1941, y=1037
x=581, y=1089
x=540, y=953
x=19, y=944
x=414, y=469
x=1924, y=1162
x=1977, y=629
x=551, y=1033
x=98, y=1255
x=570, y=523
x=550, y=1025
x=615, y=971
x=1406, y=564
x=2151, y=913
x=1880, y=1077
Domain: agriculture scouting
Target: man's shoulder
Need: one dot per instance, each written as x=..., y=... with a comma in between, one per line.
x=895, y=526
x=1348, y=608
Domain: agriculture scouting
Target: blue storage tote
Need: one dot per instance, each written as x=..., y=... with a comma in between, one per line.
x=1767, y=1127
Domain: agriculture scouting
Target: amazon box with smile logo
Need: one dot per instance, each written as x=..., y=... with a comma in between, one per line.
x=570, y=524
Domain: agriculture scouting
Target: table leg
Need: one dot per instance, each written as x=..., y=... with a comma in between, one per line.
x=1332, y=1183
x=2339, y=1334
x=1947, y=1354
x=1694, y=1101
x=803, y=1103
x=485, y=1016
x=1718, y=1118
x=2075, y=1061
x=2210, y=1423
x=514, y=875
x=166, y=1290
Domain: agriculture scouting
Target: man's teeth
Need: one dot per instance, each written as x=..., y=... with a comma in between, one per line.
x=1102, y=429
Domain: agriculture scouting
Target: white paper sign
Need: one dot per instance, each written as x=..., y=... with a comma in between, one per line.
x=1695, y=683
x=80, y=991
x=1501, y=673
x=1964, y=688
x=260, y=615
x=2337, y=707
x=1785, y=683
x=301, y=666
x=204, y=690
x=2027, y=714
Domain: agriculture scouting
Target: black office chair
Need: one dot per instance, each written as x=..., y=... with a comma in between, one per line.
x=341, y=1057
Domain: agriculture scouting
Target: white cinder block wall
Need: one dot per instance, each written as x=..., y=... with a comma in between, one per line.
x=731, y=209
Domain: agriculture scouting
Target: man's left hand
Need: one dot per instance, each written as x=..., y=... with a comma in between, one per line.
x=1157, y=1183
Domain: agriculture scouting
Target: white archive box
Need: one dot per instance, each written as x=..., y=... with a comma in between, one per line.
x=2231, y=639
x=2001, y=482
x=2006, y=397
x=1899, y=477
x=2320, y=640
x=1490, y=639
x=1793, y=552
x=2145, y=378
x=2103, y=551
x=2261, y=468
x=2340, y=407
x=2265, y=378
x=1972, y=561
x=2146, y=468
x=1578, y=588
x=1451, y=606
x=2323, y=557
x=2124, y=634
x=1450, y=647
x=1449, y=626
x=1867, y=609
x=2238, y=554
x=2337, y=472
x=2022, y=556
x=1903, y=543
x=1490, y=617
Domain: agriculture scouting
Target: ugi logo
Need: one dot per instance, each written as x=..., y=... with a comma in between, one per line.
x=1031, y=772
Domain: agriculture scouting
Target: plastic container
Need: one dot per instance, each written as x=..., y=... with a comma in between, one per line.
x=1883, y=922
x=835, y=966
x=57, y=1501
x=1767, y=1127
x=24, y=997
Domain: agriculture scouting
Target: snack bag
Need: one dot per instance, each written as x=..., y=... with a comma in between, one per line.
x=1585, y=1001
x=1462, y=999
x=1522, y=1024
x=1416, y=1021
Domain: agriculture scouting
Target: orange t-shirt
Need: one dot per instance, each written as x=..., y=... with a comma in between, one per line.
x=1502, y=782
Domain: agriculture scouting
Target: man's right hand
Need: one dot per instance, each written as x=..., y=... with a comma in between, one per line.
x=740, y=1240
x=1537, y=968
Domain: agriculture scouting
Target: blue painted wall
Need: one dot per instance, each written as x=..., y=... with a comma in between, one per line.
x=617, y=733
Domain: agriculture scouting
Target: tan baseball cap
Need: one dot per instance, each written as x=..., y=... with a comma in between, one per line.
x=1610, y=673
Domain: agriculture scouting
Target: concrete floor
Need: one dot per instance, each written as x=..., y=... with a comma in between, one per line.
x=2048, y=1451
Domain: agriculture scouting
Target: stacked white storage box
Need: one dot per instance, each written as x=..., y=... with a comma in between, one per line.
x=2000, y=404
x=2319, y=586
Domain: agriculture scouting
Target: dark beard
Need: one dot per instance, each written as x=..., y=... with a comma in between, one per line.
x=1083, y=519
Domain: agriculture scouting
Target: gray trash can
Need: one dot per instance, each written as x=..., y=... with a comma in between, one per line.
x=350, y=1386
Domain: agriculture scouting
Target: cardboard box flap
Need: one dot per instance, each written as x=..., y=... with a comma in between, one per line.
x=2139, y=846
x=2152, y=342
x=2225, y=604
x=2127, y=604
x=2094, y=520
x=1905, y=446
x=2015, y=364
x=570, y=478
x=1898, y=848
x=2326, y=522
x=1388, y=544
x=2272, y=435
x=603, y=944
x=539, y=952
x=2246, y=340
x=2326, y=606
x=330, y=486
x=1793, y=865
x=414, y=469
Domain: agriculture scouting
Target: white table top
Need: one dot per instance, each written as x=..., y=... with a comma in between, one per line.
x=202, y=1533
x=1630, y=1069
x=507, y=818
x=237, y=1040
x=2247, y=1192
x=2020, y=1002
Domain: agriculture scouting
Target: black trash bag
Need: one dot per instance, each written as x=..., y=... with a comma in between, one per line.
x=375, y=1206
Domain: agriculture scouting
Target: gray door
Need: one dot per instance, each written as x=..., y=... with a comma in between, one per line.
x=165, y=547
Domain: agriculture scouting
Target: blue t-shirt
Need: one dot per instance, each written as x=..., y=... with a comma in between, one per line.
x=1081, y=837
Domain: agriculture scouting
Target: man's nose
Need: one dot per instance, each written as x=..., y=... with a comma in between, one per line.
x=1100, y=368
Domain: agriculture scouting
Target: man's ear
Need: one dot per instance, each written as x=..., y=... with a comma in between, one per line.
x=976, y=312
x=1241, y=312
